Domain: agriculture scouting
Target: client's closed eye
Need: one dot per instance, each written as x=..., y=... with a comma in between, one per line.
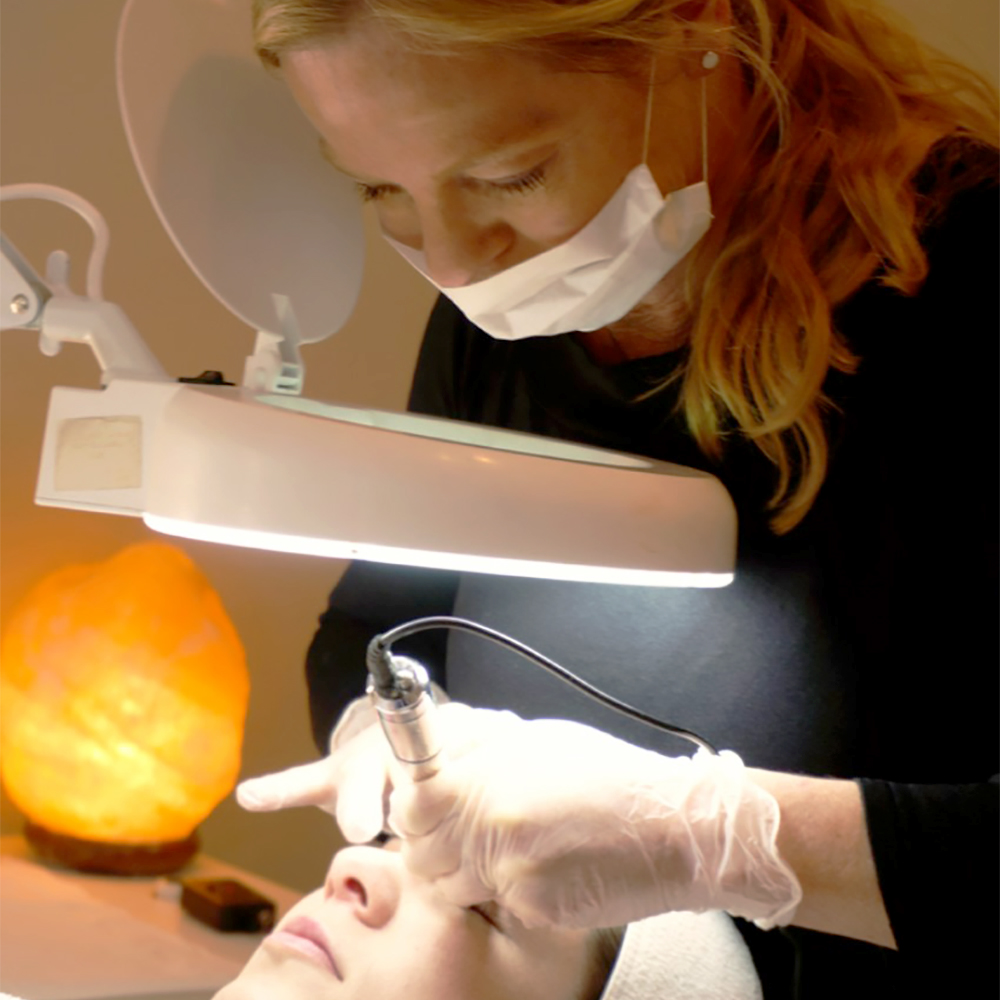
x=490, y=912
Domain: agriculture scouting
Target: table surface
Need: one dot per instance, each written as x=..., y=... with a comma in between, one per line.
x=69, y=936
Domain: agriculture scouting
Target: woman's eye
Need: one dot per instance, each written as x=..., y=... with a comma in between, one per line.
x=522, y=184
x=530, y=181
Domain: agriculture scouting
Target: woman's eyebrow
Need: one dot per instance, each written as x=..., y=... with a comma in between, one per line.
x=534, y=128
x=536, y=134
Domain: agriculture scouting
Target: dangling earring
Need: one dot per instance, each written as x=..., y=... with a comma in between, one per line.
x=710, y=60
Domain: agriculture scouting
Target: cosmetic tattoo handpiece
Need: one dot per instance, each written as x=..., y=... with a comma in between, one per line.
x=400, y=690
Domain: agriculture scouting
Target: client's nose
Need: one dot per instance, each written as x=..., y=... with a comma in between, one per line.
x=367, y=880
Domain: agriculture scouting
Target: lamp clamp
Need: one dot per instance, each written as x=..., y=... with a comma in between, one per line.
x=276, y=363
x=49, y=305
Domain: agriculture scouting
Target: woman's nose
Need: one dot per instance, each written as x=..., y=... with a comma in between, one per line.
x=459, y=248
x=368, y=881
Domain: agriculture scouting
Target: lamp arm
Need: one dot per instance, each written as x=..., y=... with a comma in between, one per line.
x=63, y=317
x=83, y=208
x=106, y=330
x=24, y=293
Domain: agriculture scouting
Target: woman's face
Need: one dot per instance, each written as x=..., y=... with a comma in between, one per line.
x=483, y=161
x=374, y=930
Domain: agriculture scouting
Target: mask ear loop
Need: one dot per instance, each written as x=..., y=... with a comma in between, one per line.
x=708, y=62
x=649, y=112
x=704, y=117
x=704, y=129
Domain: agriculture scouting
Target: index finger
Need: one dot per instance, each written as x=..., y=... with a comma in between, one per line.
x=303, y=785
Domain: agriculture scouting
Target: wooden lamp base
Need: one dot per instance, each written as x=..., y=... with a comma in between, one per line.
x=110, y=859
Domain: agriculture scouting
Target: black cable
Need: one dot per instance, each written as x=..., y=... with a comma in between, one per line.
x=381, y=643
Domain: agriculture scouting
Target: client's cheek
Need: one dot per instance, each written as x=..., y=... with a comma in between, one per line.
x=437, y=951
x=550, y=963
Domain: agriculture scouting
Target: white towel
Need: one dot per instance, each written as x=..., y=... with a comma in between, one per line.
x=683, y=956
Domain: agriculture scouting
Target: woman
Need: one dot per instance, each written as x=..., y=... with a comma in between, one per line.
x=794, y=347
x=374, y=930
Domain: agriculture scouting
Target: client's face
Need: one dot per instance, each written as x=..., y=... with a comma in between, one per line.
x=374, y=930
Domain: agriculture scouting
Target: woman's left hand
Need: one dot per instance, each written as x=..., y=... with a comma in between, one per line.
x=564, y=824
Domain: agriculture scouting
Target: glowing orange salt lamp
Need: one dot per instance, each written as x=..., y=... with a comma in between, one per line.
x=123, y=693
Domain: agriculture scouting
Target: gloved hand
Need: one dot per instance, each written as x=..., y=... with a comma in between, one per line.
x=354, y=781
x=349, y=783
x=558, y=822
x=564, y=824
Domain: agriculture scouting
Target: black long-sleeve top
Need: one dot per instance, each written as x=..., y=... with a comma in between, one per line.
x=861, y=644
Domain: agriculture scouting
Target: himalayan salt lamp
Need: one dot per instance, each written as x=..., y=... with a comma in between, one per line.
x=123, y=695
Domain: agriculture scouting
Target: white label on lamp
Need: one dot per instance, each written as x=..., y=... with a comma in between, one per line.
x=99, y=453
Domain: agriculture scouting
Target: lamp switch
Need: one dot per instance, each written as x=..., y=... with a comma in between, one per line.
x=226, y=904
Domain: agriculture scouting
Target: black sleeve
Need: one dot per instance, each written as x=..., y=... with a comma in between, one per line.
x=942, y=897
x=372, y=597
x=935, y=843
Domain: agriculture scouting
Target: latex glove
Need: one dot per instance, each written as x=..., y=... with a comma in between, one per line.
x=354, y=781
x=349, y=783
x=564, y=824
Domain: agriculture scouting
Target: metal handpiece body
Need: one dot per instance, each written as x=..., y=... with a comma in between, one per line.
x=408, y=714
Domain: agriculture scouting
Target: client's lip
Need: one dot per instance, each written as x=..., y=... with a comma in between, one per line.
x=306, y=937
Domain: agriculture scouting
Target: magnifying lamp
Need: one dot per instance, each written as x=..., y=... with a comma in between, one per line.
x=233, y=171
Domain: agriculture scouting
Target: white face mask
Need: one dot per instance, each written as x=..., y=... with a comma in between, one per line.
x=599, y=274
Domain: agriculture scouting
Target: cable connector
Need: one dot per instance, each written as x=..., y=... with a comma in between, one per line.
x=402, y=695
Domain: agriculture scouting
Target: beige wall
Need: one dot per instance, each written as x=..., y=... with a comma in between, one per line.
x=967, y=30
x=60, y=125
